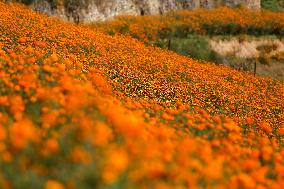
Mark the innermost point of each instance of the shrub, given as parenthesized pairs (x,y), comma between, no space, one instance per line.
(273,5)
(164,33)
(183,30)
(194,46)
(264,59)
(27,2)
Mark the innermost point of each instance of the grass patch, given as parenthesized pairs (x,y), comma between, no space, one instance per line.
(194,46)
(272,5)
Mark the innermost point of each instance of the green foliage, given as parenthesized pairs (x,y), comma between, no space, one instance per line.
(194,46)
(165,33)
(223,29)
(27,2)
(273,5)
(183,30)
(219,28)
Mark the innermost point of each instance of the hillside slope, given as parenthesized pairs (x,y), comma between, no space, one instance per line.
(94,10)
(84,110)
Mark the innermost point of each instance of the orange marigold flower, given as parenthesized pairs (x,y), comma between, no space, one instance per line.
(53,184)
(167,117)
(249,120)
(21,132)
(2,133)
(17,106)
(230,125)
(102,134)
(126,123)
(116,163)
(51,145)
(265,127)
(4,101)
(49,119)
(22,40)
(280,131)
(246,181)
(54,57)
(101,83)
(6,156)
(79,155)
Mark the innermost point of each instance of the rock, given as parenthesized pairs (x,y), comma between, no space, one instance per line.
(43,7)
(94,10)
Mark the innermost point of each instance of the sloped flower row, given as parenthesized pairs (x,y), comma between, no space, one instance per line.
(220,21)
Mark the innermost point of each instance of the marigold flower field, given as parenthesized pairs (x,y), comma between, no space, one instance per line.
(81,110)
(219,21)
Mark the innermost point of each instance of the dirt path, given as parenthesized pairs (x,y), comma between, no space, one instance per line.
(247,49)
(244,49)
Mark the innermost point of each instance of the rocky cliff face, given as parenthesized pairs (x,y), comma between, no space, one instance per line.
(94,10)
